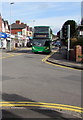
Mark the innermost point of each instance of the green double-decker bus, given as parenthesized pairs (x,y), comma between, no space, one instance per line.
(42,37)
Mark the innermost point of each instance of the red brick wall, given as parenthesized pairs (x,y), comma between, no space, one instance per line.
(78,51)
(15,31)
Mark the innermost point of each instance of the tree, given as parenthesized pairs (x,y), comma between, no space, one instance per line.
(58,34)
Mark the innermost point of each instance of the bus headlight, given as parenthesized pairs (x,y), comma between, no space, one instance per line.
(46,48)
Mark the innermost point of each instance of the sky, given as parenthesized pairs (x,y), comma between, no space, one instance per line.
(53,14)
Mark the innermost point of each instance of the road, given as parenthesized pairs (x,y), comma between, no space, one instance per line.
(28,80)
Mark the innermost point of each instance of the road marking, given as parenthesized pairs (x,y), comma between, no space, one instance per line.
(15,54)
(45,106)
(45,60)
(6,102)
(25,49)
(12,55)
(41,104)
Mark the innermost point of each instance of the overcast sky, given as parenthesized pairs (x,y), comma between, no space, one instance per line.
(33,13)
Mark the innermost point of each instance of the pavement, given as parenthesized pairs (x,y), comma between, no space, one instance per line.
(60,58)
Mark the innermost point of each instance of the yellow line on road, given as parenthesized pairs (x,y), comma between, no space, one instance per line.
(46,106)
(12,55)
(41,104)
(25,49)
(60,66)
(45,60)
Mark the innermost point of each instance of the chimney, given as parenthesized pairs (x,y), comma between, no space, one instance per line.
(17,21)
(22,23)
(27,28)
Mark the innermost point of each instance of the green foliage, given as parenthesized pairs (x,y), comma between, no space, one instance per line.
(58,34)
(80,41)
(73,27)
(73,42)
(76,41)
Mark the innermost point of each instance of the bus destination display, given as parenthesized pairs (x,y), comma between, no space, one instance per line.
(41,36)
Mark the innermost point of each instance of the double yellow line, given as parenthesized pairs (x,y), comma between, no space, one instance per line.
(46,58)
(41,104)
(16,54)
(11,55)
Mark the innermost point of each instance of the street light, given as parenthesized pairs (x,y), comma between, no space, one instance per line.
(10,23)
(33,23)
(68,42)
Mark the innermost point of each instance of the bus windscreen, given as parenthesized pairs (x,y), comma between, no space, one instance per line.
(41,29)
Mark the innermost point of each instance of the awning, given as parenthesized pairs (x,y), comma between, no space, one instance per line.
(3,35)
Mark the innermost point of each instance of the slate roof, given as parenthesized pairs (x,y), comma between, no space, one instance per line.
(18,26)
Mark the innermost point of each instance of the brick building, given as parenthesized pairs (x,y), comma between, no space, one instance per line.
(19,28)
(4,26)
(21,32)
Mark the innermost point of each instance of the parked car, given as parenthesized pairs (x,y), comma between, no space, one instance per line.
(57,43)
(29,43)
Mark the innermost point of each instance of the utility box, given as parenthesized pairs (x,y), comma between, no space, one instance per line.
(78,53)
(72,54)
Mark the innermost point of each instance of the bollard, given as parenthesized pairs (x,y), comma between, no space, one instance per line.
(78,53)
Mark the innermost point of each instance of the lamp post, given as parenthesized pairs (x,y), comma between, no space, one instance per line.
(68,42)
(60,35)
(10,23)
(33,23)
